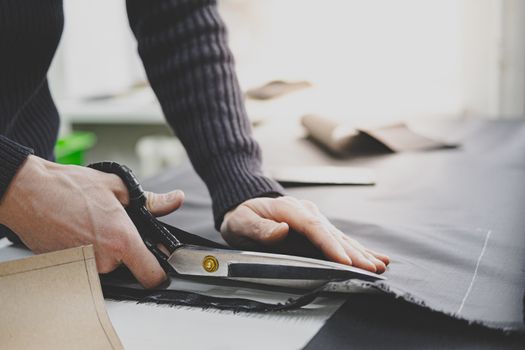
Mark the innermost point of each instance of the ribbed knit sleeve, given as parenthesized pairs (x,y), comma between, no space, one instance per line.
(12,156)
(184,49)
(29,35)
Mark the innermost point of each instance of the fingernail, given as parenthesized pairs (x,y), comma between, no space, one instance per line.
(174,195)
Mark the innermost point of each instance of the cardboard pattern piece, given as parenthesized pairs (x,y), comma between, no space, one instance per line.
(54,301)
(341,139)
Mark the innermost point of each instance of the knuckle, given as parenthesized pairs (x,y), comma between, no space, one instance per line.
(151,200)
(119,188)
(117,246)
(287,200)
(314,221)
(117,181)
(353,242)
(309,204)
(258,228)
(282,200)
(113,178)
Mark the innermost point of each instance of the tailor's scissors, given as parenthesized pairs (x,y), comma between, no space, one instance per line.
(192,255)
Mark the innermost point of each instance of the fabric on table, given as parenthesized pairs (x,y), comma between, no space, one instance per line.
(454,270)
(451,220)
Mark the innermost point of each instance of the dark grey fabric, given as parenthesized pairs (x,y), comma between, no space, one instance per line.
(382,322)
(452,220)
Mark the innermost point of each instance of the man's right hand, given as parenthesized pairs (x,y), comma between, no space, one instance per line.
(51,207)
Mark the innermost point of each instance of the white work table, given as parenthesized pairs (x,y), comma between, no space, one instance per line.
(147,326)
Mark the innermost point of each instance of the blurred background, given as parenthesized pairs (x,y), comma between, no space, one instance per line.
(365,62)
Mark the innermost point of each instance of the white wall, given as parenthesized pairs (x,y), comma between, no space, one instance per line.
(494,58)
(369,59)
(512,91)
(97,54)
(372,59)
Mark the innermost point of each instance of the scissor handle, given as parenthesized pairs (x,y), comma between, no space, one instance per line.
(137,197)
(149,228)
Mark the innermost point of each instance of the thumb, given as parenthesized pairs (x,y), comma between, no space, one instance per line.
(160,204)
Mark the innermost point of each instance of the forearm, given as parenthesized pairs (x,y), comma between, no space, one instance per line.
(184,48)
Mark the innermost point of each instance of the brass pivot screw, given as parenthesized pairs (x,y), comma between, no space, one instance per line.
(210,263)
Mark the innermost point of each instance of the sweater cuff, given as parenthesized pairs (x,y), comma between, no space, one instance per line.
(12,156)
(233,180)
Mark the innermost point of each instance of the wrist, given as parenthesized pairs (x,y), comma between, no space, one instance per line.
(26,178)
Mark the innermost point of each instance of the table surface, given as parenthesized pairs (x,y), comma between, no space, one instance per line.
(141,326)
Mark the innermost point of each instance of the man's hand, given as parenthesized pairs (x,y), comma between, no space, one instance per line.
(267,221)
(52,207)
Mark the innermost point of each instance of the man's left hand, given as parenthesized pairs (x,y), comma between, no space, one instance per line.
(267,221)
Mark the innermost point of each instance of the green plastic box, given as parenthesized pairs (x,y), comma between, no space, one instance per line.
(71,149)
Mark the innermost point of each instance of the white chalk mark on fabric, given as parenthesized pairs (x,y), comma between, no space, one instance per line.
(475,272)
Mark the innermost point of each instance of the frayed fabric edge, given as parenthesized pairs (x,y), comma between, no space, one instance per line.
(176,298)
(191,299)
(505,328)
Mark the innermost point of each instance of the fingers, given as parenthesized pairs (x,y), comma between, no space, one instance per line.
(246,227)
(380,266)
(368,258)
(379,259)
(328,244)
(160,204)
(141,262)
(384,258)
(312,224)
(359,258)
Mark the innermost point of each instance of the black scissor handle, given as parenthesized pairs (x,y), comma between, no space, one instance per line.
(150,229)
(137,197)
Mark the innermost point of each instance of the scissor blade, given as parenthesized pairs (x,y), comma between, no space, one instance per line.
(265,268)
(265,271)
